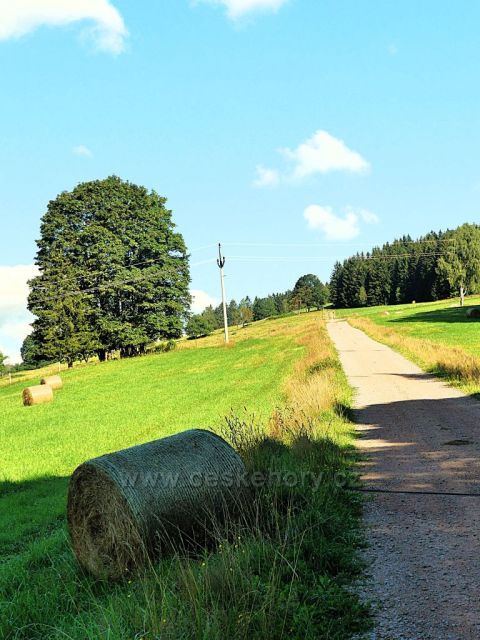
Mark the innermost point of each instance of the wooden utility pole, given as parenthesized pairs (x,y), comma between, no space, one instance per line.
(221,264)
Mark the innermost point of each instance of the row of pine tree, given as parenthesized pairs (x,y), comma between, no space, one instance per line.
(434,267)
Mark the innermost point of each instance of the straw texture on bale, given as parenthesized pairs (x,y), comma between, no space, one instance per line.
(37,395)
(473,312)
(53,381)
(135,504)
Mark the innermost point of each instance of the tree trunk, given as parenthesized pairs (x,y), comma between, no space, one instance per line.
(102,355)
(462,296)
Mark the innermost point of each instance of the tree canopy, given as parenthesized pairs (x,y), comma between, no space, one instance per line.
(114,273)
(310,292)
(460,267)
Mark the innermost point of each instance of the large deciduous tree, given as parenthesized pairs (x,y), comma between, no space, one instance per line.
(114,273)
(310,291)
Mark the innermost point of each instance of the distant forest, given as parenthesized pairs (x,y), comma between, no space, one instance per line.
(308,293)
(436,266)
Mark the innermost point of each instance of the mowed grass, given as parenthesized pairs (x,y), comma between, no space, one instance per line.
(438,336)
(288,579)
(117,404)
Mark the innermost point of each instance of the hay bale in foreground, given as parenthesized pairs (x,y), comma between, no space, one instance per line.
(473,312)
(130,505)
(55,382)
(37,395)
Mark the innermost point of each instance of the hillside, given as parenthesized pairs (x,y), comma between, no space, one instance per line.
(109,406)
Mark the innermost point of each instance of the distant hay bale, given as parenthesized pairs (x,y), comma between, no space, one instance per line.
(55,382)
(473,312)
(37,395)
(152,499)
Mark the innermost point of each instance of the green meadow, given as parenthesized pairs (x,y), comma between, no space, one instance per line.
(444,321)
(117,404)
(113,405)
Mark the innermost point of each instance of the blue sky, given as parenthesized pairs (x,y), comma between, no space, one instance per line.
(294,129)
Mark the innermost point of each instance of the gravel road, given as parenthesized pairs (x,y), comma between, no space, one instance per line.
(417,434)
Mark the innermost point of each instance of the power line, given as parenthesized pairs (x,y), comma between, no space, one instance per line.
(111,285)
(264,259)
(329,258)
(330,244)
(412,492)
(151,261)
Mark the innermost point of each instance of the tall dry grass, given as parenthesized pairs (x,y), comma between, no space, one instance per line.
(311,389)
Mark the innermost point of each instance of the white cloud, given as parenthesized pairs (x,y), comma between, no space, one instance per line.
(14,317)
(320,154)
(108,30)
(14,288)
(201,300)
(83,151)
(337,227)
(239,8)
(266,177)
(323,153)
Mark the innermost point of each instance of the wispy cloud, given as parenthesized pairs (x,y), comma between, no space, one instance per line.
(14,317)
(320,154)
(392,49)
(107,29)
(83,151)
(266,177)
(366,216)
(337,227)
(237,9)
(201,300)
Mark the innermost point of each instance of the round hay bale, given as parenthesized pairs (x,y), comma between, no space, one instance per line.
(473,312)
(37,395)
(55,382)
(135,504)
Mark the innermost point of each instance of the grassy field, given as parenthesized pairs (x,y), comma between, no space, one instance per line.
(438,336)
(289,576)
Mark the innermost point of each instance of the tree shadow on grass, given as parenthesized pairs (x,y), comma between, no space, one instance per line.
(454,315)
(31,510)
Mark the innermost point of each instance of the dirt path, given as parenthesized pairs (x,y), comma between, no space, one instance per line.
(419,435)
